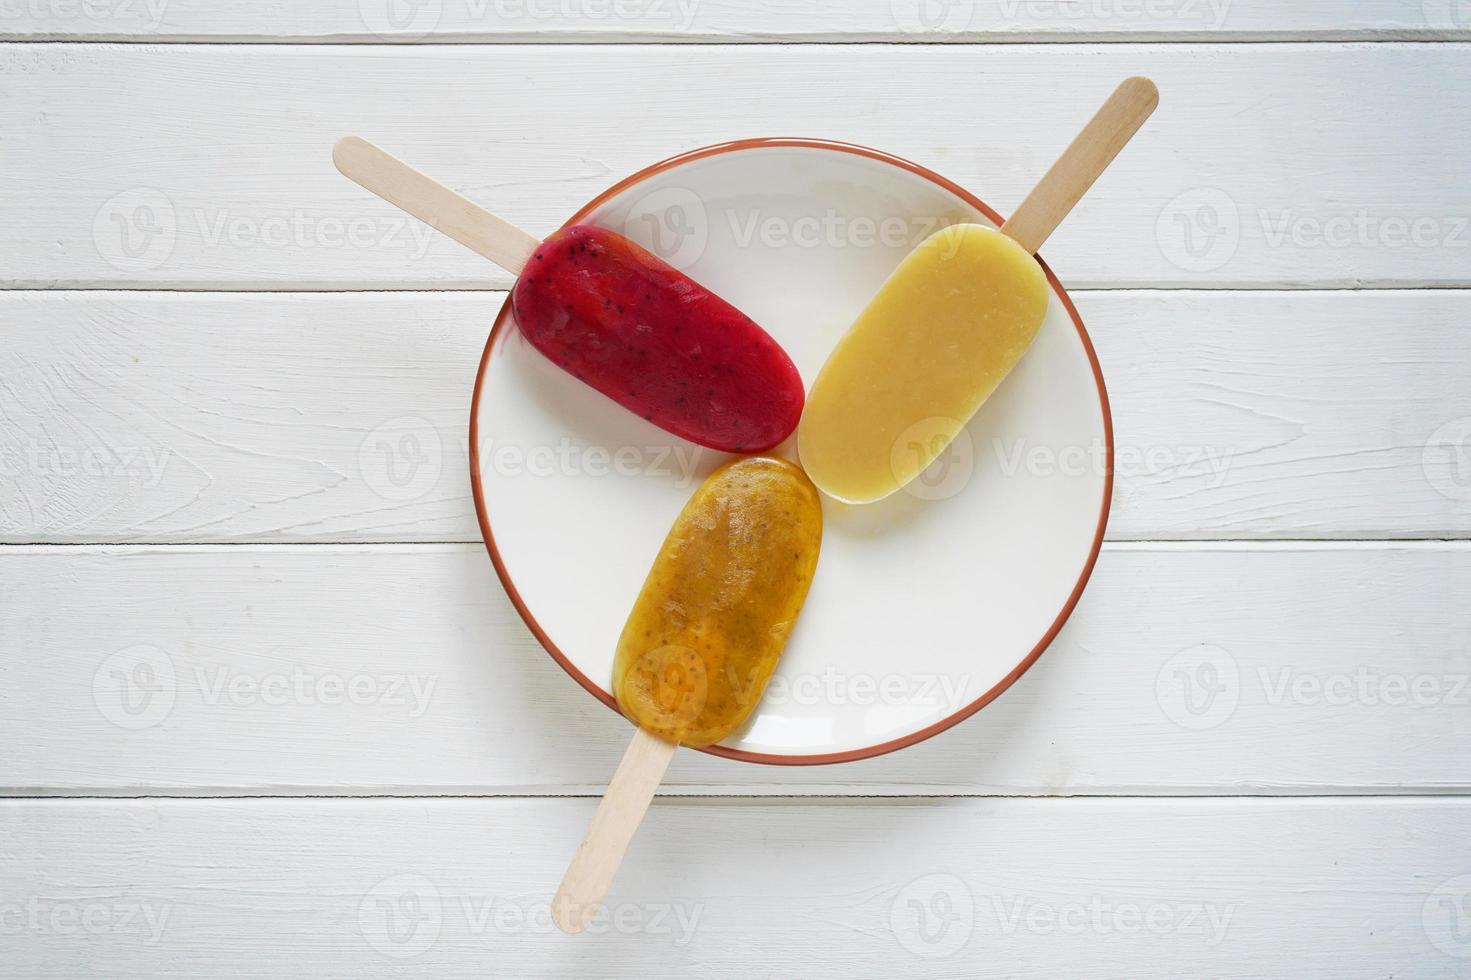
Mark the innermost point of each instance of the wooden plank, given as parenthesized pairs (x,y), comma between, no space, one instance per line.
(160,417)
(388,669)
(733,21)
(937,888)
(1258,170)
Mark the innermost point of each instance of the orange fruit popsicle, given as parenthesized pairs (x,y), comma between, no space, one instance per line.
(716,609)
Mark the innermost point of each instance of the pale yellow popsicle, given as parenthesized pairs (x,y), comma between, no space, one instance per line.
(944,330)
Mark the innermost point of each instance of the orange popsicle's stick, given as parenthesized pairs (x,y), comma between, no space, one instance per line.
(433,203)
(1082,163)
(613,825)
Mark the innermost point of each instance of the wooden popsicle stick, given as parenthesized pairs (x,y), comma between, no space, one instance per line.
(613,825)
(433,203)
(1082,163)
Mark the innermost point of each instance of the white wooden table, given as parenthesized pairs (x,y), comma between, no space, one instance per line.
(266,711)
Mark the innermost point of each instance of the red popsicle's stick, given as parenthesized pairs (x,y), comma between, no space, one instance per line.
(433,203)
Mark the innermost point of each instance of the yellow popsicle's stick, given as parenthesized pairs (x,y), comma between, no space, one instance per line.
(1082,163)
(433,203)
(613,825)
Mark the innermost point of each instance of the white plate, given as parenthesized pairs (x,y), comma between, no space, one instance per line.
(926,605)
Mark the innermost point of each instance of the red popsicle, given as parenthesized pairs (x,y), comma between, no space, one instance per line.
(616,316)
(655,341)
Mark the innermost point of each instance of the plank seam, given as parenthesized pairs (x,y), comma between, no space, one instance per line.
(235,291)
(247,289)
(1419,795)
(1402,36)
(1141,544)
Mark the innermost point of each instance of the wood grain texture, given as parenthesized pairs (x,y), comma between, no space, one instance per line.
(159,417)
(1336,672)
(929,888)
(403,669)
(738,20)
(1255,172)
